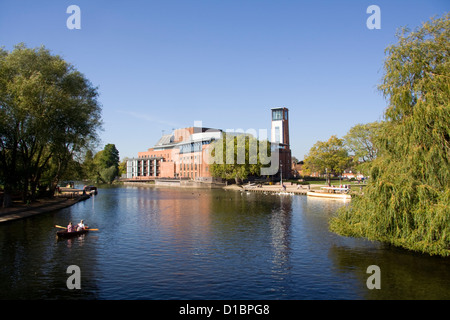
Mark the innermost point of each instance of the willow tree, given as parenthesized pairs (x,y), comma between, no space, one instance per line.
(48,114)
(407,201)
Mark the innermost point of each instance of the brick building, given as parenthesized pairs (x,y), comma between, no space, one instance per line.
(181,154)
(184,154)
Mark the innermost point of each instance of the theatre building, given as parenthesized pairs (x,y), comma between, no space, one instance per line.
(183,154)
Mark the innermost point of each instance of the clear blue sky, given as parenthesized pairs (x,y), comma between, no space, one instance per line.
(164,64)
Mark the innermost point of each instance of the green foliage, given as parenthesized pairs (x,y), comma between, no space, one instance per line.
(362,143)
(360,140)
(327,157)
(123,166)
(237,157)
(108,174)
(49,113)
(407,200)
(109,157)
(104,166)
(90,171)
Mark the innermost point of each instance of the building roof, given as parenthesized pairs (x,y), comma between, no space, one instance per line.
(165,140)
(201,134)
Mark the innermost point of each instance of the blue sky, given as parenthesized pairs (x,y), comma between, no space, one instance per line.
(161,65)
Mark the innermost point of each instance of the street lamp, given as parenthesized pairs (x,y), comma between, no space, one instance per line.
(281,173)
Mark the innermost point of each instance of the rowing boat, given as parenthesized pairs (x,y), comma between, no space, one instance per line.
(66,234)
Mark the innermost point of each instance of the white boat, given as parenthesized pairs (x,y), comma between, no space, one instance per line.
(331,193)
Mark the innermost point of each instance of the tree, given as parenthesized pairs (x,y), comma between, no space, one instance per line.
(108,174)
(327,157)
(407,198)
(48,114)
(238,157)
(123,166)
(361,142)
(110,157)
(90,171)
(104,166)
(109,163)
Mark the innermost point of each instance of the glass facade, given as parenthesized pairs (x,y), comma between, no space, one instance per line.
(193,147)
(277,114)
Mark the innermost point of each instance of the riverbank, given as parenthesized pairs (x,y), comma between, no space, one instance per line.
(289,188)
(22,210)
(176,183)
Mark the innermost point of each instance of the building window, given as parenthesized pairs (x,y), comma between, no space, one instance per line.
(277,135)
(277,114)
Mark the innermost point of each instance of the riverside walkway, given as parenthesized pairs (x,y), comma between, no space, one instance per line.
(22,210)
(289,188)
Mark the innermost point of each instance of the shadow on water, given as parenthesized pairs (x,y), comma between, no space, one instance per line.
(403,274)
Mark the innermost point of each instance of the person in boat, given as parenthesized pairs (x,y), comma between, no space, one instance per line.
(70,227)
(81,226)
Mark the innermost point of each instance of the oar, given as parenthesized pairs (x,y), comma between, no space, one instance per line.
(56,226)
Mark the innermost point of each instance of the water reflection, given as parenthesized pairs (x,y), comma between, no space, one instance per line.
(163,243)
(32,261)
(280,227)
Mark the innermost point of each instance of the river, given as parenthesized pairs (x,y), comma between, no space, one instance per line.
(170,243)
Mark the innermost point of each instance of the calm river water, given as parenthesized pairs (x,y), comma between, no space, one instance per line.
(162,243)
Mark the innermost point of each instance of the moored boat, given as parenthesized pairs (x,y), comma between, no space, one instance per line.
(331,193)
(90,190)
(328,195)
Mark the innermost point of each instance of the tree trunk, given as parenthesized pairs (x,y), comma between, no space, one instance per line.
(6,203)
